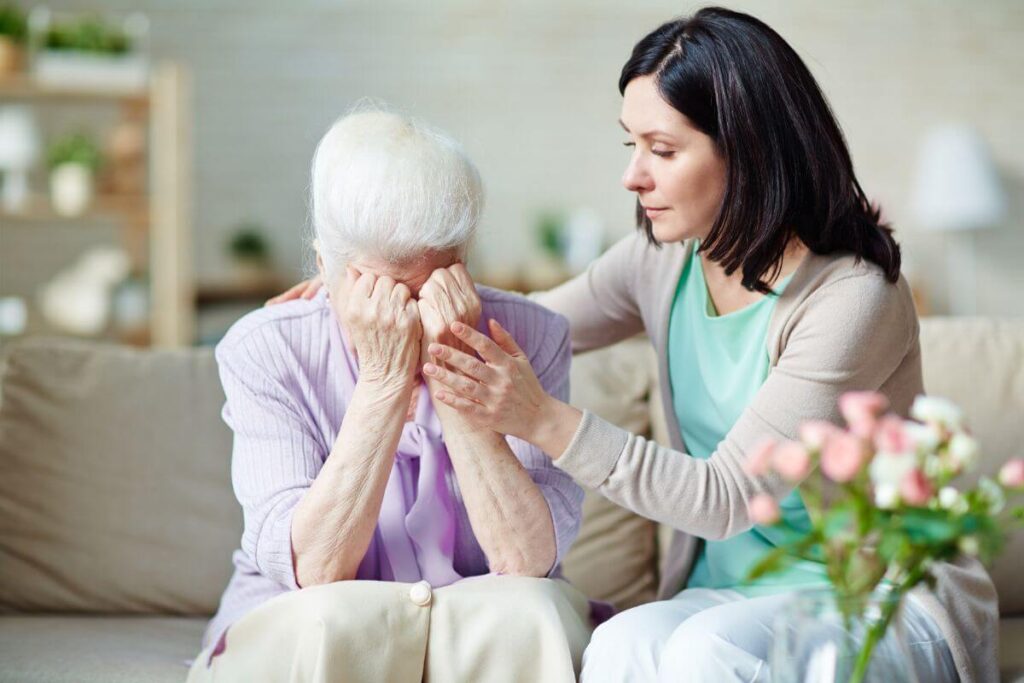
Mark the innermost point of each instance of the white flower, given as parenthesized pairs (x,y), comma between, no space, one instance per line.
(964,450)
(926,437)
(969,545)
(887,496)
(932,466)
(951,499)
(934,409)
(891,468)
(993,493)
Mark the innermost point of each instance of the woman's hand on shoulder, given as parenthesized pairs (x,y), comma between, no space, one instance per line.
(306,289)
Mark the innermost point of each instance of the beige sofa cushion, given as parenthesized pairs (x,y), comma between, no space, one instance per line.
(979,364)
(66,649)
(115,494)
(614,557)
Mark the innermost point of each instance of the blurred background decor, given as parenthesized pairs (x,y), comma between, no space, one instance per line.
(19,152)
(13,29)
(530,91)
(73,161)
(88,49)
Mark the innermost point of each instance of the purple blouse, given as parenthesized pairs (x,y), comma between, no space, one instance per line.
(288,376)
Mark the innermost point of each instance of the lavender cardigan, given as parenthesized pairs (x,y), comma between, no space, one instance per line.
(280,367)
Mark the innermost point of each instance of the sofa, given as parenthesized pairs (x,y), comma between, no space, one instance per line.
(117,519)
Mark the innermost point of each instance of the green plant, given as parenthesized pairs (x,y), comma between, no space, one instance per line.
(76,148)
(13,23)
(88,34)
(550,229)
(248,243)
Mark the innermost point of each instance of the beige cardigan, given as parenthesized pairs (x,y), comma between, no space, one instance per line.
(838,326)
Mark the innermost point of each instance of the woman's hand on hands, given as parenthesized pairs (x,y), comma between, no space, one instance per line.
(306,289)
(382,321)
(448,296)
(498,391)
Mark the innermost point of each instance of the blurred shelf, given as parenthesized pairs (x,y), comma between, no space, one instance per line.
(239,291)
(24,87)
(103,207)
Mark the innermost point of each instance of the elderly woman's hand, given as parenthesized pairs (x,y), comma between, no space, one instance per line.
(501,392)
(382,322)
(448,296)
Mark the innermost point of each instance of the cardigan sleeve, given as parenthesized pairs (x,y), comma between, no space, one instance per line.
(850,334)
(275,456)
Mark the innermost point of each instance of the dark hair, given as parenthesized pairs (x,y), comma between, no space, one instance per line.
(788,169)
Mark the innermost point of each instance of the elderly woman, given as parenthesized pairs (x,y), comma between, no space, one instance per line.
(367,504)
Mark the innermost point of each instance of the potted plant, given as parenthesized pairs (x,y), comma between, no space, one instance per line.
(73,161)
(883,508)
(13,29)
(250,253)
(89,50)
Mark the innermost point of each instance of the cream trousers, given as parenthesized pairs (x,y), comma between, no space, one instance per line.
(487,629)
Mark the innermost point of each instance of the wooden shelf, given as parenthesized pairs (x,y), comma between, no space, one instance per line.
(103,207)
(24,87)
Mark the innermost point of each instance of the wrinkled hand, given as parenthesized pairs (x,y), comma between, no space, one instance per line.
(382,322)
(499,391)
(448,296)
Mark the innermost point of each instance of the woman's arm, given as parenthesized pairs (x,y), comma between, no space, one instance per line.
(517,520)
(335,520)
(849,335)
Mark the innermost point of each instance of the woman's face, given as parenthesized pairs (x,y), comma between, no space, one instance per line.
(413,274)
(675,170)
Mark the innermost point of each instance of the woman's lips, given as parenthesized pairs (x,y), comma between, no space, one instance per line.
(654,212)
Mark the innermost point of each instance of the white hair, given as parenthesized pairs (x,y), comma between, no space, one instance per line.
(393,188)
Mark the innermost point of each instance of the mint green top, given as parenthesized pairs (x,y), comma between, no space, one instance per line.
(716,365)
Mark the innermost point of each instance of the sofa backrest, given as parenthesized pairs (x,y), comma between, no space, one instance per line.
(115,492)
(115,487)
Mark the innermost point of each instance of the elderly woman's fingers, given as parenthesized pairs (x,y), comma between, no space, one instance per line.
(401,293)
(488,350)
(464,363)
(363,285)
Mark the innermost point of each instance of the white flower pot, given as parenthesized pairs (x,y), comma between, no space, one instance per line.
(71,189)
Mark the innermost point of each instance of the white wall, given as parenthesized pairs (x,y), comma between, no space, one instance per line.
(530,88)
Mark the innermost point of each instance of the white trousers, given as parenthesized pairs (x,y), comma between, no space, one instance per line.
(705,634)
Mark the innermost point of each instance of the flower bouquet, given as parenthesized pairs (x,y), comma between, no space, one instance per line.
(883,506)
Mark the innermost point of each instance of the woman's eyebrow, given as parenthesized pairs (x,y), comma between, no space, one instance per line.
(649,133)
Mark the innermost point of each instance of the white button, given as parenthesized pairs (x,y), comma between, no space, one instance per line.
(420,593)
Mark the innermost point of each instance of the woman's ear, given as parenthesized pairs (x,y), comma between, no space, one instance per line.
(319,260)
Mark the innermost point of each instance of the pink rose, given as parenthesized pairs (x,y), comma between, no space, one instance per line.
(892,437)
(861,409)
(1011,475)
(792,461)
(760,459)
(843,457)
(815,433)
(763,510)
(915,489)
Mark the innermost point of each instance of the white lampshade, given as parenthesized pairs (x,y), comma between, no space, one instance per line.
(957,185)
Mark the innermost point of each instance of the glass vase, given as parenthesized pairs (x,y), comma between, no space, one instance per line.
(822,638)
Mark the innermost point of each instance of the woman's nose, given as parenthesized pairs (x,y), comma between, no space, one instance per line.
(636,178)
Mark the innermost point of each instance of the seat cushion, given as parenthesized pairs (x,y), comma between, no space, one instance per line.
(116,489)
(613,558)
(80,649)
